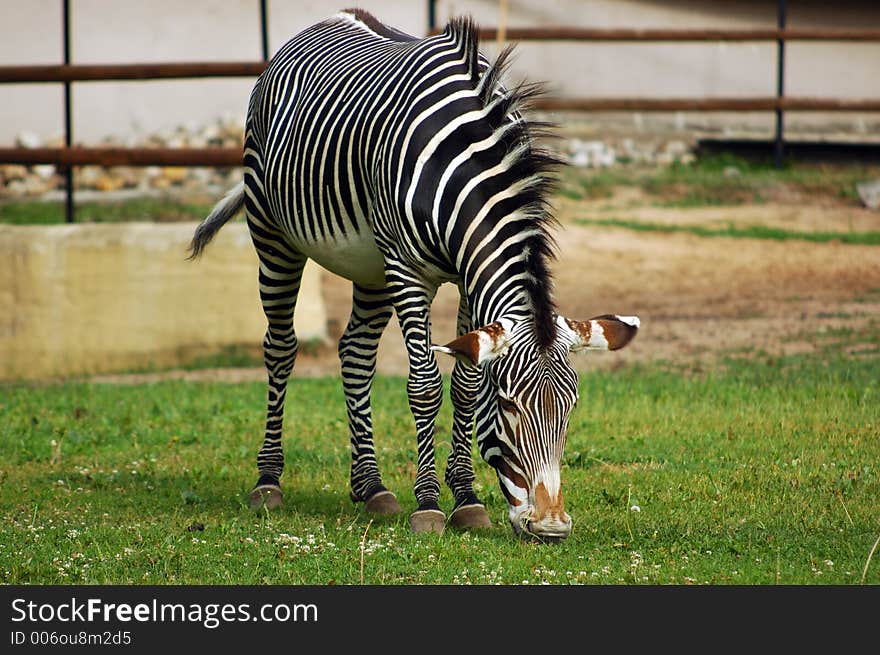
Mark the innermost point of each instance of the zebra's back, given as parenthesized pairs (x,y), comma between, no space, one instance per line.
(329,124)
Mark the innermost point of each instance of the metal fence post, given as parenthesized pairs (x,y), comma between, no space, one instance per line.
(264,29)
(779,145)
(68,122)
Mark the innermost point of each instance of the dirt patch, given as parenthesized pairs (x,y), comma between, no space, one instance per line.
(701,297)
(697,297)
(809,217)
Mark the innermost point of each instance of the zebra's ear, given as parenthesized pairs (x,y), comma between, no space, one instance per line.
(606,332)
(480,346)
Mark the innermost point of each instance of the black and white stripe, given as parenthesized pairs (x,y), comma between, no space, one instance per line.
(400,164)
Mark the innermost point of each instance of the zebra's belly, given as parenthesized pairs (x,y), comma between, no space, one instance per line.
(354,258)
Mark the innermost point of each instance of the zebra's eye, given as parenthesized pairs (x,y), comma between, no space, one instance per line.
(508,405)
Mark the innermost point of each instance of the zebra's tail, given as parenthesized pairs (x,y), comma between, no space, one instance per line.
(228,207)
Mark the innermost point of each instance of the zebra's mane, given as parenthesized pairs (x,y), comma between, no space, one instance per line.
(531,163)
(377,26)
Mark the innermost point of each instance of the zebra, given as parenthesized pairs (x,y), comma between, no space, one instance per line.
(403,163)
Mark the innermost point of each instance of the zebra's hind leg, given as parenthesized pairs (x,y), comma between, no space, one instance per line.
(280,276)
(468,511)
(370,312)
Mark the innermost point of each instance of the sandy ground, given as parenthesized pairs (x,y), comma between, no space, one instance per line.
(697,297)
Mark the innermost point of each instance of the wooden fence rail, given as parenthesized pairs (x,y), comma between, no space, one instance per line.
(619,34)
(68,73)
(110,156)
(111,72)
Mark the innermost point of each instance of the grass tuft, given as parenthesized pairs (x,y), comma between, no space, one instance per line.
(759,471)
(722,179)
(734,232)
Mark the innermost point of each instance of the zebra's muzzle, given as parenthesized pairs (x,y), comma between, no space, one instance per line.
(548,529)
(543,518)
(551,528)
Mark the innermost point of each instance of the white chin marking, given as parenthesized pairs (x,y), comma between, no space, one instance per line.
(630,320)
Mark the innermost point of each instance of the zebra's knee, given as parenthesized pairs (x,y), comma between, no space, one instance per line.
(464,385)
(360,342)
(349,352)
(425,390)
(464,400)
(279,354)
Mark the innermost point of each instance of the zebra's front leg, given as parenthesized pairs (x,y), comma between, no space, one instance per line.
(412,302)
(468,511)
(370,313)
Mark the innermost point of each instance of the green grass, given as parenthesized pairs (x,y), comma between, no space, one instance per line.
(30,212)
(764,470)
(709,182)
(732,231)
(233,356)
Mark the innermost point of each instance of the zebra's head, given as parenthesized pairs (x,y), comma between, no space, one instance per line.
(523,417)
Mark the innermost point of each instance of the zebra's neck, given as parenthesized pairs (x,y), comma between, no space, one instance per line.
(492,219)
(504,296)
(511,282)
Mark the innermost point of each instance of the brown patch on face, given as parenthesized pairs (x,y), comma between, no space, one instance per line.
(544,505)
(581,328)
(493,330)
(617,333)
(466,346)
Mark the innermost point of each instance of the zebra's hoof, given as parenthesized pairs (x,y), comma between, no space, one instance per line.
(382,502)
(266,495)
(470,516)
(427,520)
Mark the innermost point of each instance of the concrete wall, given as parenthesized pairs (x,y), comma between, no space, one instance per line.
(109,31)
(83,299)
